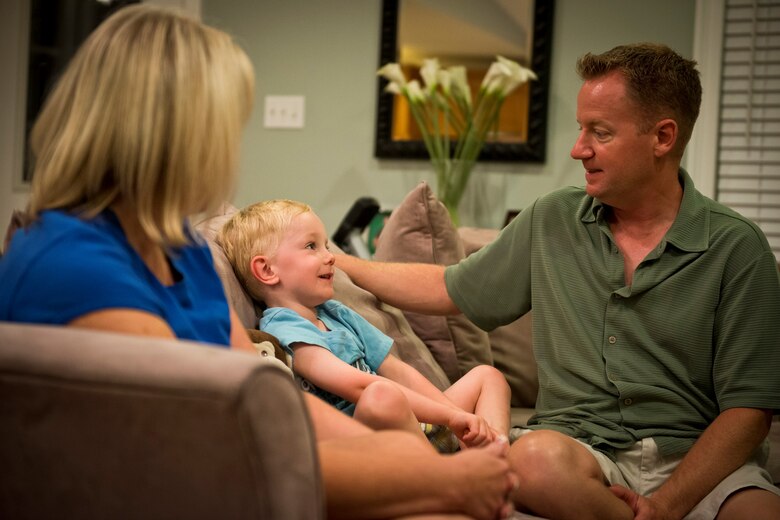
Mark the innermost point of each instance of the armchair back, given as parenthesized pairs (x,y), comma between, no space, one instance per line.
(103,425)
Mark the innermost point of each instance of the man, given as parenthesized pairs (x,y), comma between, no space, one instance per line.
(655,314)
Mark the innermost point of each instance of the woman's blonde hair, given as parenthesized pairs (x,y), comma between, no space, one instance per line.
(256,230)
(149,111)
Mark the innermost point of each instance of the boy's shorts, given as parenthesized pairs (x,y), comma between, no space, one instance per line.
(643,469)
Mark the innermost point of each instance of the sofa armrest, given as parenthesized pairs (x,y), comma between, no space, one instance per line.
(102,425)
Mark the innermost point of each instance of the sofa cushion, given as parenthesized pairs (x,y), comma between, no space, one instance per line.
(420,230)
(511,345)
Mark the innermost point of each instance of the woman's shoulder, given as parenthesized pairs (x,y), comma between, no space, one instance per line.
(58,259)
(52,228)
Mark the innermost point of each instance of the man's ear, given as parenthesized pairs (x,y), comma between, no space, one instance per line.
(263,270)
(666,134)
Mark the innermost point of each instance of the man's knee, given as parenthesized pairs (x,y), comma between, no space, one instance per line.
(544,454)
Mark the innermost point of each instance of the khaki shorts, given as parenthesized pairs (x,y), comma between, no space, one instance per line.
(643,469)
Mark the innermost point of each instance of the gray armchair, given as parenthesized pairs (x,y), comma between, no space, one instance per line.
(102,425)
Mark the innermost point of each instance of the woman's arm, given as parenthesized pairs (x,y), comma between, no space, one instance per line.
(129,321)
(239,339)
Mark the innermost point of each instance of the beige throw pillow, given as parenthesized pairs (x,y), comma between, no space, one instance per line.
(420,230)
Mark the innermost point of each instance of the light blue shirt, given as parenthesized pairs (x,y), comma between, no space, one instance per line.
(349,337)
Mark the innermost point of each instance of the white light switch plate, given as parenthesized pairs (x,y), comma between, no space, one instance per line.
(284,112)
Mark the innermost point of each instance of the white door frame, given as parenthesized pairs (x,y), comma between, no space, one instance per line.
(701,158)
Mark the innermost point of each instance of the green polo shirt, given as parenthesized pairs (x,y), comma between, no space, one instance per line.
(697,332)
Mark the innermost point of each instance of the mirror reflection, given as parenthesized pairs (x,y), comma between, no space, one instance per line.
(469,33)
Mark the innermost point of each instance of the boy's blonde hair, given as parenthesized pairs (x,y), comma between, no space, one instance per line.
(150,111)
(257,230)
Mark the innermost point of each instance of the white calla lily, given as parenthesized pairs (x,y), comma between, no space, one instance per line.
(393,73)
(505,75)
(429,73)
(444,78)
(415,92)
(460,83)
(445,107)
(393,88)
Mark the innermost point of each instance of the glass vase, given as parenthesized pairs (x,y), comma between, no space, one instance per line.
(452,176)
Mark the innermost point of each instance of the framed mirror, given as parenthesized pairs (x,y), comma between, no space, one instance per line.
(469,33)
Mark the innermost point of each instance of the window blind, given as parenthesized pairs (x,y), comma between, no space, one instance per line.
(748,176)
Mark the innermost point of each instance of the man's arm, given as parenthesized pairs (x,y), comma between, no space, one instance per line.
(734,435)
(409,286)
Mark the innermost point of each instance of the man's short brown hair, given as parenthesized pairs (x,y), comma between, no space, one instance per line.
(659,81)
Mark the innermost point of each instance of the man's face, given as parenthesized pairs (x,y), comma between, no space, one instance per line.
(618,159)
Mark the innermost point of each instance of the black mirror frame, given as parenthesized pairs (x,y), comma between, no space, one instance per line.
(533,150)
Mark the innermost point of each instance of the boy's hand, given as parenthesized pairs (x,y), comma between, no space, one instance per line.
(471,429)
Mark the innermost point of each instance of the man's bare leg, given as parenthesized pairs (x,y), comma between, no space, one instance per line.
(753,503)
(559,478)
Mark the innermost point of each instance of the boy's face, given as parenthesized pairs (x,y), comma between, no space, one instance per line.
(303,262)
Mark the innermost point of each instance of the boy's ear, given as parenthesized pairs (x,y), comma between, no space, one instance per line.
(263,271)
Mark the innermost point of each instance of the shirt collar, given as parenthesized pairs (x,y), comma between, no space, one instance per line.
(691,228)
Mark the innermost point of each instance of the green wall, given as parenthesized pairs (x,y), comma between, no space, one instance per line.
(327,51)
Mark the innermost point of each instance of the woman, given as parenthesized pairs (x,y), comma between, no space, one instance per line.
(141,133)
